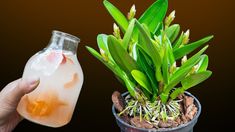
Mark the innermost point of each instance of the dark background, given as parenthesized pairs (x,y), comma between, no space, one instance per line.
(26,25)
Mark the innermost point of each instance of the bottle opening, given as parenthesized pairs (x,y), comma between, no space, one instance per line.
(63,41)
(66,35)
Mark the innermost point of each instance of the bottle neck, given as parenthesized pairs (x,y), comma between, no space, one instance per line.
(63,41)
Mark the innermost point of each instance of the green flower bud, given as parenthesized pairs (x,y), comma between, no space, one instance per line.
(183,60)
(186,37)
(169,19)
(116,31)
(194,69)
(132,13)
(173,68)
(104,55)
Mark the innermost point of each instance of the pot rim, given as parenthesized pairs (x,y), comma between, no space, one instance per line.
(161,129)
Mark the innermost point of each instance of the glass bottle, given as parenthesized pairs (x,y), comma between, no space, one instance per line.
(52,103)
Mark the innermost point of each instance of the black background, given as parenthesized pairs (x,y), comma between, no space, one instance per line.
(26,25)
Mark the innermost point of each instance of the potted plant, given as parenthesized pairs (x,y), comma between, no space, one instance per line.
(149,57)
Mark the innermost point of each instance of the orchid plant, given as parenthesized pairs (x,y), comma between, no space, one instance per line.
(149,56)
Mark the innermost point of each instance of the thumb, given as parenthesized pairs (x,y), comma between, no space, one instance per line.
(23,87)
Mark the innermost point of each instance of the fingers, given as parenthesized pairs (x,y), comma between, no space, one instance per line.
(19,88)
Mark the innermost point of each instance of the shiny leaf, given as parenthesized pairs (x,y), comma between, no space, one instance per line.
(128,35)
(120,55)
(203,63)
(117,15)
(179,53)
(172,32)
(142,79)
(195,79)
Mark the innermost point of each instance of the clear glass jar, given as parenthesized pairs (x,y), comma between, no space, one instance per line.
(61,78)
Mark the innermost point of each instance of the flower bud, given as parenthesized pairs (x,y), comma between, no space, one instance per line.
(116,31)
(184,59)
(173,68)
(169,19)
(132,13)
(186,37)
(194,69)
(104,55)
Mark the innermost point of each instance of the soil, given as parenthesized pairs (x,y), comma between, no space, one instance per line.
(187,108)
(118,101)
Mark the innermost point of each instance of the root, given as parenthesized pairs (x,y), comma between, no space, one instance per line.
(152,112)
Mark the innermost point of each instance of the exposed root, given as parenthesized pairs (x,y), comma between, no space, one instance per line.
(152,111)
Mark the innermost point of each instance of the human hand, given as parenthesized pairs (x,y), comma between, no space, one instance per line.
(9,98)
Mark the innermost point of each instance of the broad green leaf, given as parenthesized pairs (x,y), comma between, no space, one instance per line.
(176,93)
(133,51)
(203,63)
(171,58)
(178,42)
(195,57)
(146,43)
(183,70)
(191,81)
(194,79)
(142,79)
(158,29)
(128,35)
(116,70)
(165,66)
(172,32)
(117,15)
(178,53)
(176,78)
(145,27)
(102,44)
(154,14)
(142,58)
(130,86)
(120,55)
(146,56)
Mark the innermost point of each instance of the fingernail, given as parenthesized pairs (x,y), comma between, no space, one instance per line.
(32,81)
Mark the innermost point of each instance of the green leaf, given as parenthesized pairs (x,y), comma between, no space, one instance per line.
(176,93)
(178,53)
(142,58)
(128,35)
(203,63)
(147,45)
(116,70)
(117,15)
(170,54)
(172,32)
(165,67)
(154,14)
(142,79)
(120,55)
(195,57)
(180,74)
(158,29)
(130,86)
(102,44)
(191,81)
(178,42)
(194,79)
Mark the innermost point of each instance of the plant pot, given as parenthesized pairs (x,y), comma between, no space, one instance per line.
(187,127)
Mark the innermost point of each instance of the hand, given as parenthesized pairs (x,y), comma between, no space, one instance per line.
(9,98)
